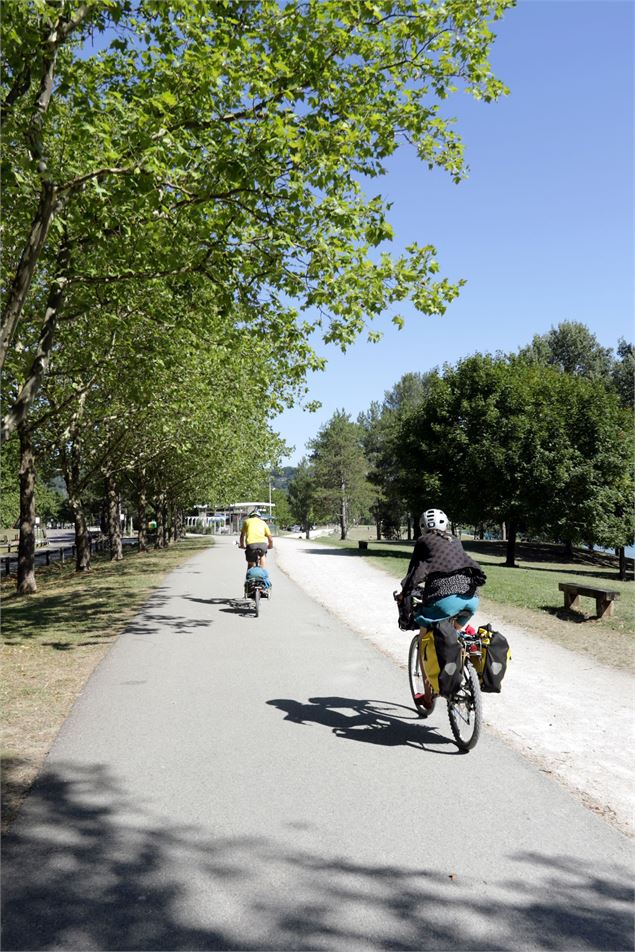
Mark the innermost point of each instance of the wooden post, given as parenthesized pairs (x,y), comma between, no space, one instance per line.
(603,607)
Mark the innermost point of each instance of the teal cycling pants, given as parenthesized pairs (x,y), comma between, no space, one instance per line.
(447,607)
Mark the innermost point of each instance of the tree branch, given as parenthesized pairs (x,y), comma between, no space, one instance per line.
(76,183)
(50,204)
(31,386)
(21,86)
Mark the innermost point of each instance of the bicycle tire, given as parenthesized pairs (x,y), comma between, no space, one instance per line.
(416,679)
(257,601)
(465,710)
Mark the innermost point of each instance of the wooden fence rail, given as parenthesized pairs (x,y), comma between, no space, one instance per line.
(59,553)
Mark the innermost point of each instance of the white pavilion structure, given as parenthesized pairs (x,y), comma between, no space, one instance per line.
(230,518)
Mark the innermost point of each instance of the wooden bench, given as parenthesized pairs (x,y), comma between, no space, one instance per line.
(604,597)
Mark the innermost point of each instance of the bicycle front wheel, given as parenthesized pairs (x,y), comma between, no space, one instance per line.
(417,679)
(465,710)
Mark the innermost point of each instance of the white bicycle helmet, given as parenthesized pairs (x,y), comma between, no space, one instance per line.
(254,512)
(434,519)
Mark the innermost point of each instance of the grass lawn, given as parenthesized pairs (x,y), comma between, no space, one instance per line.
(528,596)
(52,641)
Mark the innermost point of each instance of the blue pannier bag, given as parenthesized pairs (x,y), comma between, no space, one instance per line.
(258,576)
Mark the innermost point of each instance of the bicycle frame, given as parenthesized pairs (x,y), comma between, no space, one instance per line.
(464,704)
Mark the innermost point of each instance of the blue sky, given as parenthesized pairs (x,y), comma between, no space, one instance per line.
(542,230)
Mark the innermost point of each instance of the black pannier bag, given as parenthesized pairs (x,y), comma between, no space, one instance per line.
(497,656)
(407,608)
(442,658)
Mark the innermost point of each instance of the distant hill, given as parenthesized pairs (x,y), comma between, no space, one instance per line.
(282,477)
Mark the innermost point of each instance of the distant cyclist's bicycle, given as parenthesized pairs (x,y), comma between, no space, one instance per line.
(465,709)
(256,588)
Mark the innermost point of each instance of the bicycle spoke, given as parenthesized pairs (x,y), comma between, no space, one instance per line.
(464,710)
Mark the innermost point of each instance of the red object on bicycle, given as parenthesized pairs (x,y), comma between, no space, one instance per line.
(469,630)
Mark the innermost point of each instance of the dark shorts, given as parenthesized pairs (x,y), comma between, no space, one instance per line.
(253,548)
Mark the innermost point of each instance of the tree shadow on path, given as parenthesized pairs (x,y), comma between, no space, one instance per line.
(89,867)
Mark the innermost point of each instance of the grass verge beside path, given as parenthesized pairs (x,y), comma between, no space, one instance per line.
(53,640)
(529,597)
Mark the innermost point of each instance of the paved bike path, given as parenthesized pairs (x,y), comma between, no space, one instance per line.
(226,782)
(563,711)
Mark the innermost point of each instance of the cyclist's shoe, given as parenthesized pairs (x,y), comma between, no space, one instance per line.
(424,701)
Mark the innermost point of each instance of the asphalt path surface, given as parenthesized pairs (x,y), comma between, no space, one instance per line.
(232,782)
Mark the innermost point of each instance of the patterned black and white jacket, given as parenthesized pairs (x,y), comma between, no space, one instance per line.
(440,566)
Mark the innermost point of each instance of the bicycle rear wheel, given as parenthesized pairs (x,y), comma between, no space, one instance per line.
(257,601)
(465,710)
(416,678)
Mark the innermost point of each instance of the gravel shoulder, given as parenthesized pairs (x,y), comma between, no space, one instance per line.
(570,716)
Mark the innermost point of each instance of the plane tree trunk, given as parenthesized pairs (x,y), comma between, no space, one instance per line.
(114,522)
(512,530)
(160,539)
(343,513)
(26,584)
(142,502)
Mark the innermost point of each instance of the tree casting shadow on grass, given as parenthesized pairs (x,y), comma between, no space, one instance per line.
(85,610)
(523,562)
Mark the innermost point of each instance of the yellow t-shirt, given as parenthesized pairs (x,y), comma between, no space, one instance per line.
(255,530)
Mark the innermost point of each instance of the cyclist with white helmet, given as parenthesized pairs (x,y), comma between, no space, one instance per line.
(442,571)
(255,535)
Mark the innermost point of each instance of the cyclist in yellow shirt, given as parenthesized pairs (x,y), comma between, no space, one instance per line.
(255,536)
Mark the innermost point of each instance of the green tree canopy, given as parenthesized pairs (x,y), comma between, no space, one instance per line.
(381,425)
(228,141)
(340,470)
(303,496)
(573,349)
(499,439)
(198,167)
(624,373)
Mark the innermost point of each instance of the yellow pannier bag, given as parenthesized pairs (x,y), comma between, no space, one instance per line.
(429,660)
(478,660)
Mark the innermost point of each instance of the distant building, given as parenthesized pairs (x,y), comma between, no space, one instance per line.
(239,511)
(230,518)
